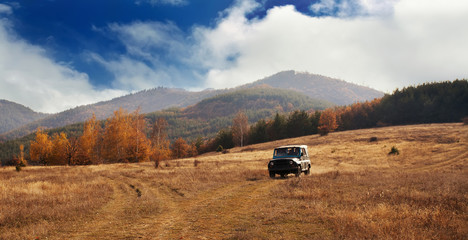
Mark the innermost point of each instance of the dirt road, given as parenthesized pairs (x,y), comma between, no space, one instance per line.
(150,210)
(229,196)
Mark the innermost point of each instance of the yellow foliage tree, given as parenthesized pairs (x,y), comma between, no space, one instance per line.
(41,148)
(21,161)
(115,139)
(124,138)
(87,144)
(180,148)
(60,147)
(327,122)
(139,146)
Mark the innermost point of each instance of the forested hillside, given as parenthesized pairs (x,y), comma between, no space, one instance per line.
(204,119)
(315,86)
(251,100)
(13,115)
(427,103)
(442,102)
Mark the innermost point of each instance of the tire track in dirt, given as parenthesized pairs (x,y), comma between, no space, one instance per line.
(213,212)
(118,218)
(107,222)
(210,214)
(463,157)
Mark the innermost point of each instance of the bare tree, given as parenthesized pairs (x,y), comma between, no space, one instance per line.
(240,128)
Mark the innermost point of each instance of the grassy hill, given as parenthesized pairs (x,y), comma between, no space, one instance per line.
(356,191)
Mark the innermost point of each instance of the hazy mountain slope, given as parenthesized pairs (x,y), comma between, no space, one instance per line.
(148,101)
(319,87)
(14,115)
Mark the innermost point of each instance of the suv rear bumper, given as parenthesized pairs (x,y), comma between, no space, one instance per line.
(283,167)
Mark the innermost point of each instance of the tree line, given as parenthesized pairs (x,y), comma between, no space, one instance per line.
(427,103)
(124,137)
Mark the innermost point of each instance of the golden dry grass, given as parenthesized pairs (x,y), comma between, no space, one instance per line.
(356,191)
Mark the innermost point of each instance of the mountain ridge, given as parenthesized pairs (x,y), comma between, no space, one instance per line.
(14,115)
(312,85)
(338,91)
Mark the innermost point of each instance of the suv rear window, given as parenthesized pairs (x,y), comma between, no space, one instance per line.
(283,152)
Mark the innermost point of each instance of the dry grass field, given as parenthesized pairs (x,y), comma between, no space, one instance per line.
(356,191)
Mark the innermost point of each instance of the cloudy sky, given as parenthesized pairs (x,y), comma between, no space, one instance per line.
(58,54)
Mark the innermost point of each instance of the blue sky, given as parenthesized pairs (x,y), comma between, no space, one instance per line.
(58,54)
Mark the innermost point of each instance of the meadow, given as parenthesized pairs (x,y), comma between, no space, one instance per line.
(356,190)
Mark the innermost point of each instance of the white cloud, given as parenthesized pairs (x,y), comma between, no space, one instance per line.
(219,47)
(352,8)
(420,41)
(144,39)
(157,54)
(132,74)
(28,76)
(163,2)
(5,9)
(381,44)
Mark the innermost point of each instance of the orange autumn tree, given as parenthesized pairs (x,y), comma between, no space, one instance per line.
(124,138)
(180,148)
(139,146)
(327,122)
(21,160)
(115,138)
(41,148)
(358,115)
(87,151)
(60,147)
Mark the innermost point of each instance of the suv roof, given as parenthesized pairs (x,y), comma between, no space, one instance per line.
(288,146)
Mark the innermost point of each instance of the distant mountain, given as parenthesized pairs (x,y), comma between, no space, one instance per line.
(14,115)
(315,86)
(147,100)
(319,87)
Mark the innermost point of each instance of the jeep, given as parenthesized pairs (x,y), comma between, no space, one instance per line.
(289,159)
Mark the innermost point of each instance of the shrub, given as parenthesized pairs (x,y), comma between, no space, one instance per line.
(196,162)
(327,122)
(156,163)
(373,139)
(394,151)
(465,120)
